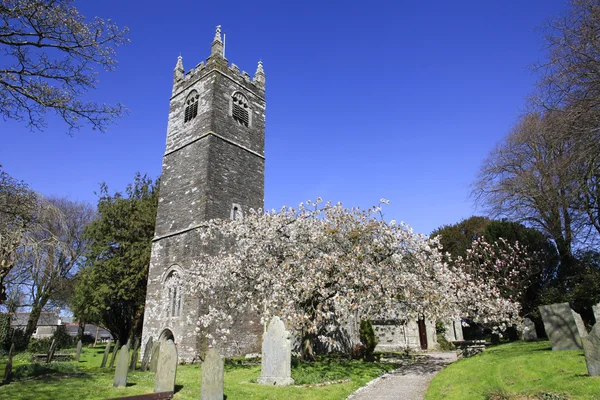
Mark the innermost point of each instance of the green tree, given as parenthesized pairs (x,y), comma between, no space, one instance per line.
(457,238)
(50,53)
(111,289)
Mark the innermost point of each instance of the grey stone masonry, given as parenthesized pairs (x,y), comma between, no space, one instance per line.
(122,367)
(213,167)
(529,332)
(276,363)
(563,326)
(213,375)
(591,350)
(166,370)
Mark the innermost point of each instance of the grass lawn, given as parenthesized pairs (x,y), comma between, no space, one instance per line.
(517,370)
(85,380)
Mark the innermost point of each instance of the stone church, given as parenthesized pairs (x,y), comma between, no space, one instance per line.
(213,167)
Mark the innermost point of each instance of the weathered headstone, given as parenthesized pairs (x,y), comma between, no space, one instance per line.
(147,352)
(562,326)
(596,310)
(276,364)
(458,331)
(114,354)
(529,333)
(106,353)
(134,359)
(51,351)
(8,368)
(129,343)
(166,369)
(213,374)
(154,355)
(122,367)
(591,350)
(78,353)
(136,343)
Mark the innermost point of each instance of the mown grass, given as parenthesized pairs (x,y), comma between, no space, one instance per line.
(517,371)
(86,380)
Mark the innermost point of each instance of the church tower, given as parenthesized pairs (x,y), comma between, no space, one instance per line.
(213,167)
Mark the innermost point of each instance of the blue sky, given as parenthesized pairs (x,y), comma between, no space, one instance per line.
(394,99)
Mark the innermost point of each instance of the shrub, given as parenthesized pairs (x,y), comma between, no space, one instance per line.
(38,346)
(5,332)
(62,338)
(444,344)
(367,339)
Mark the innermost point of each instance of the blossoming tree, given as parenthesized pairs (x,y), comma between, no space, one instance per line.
(321,264)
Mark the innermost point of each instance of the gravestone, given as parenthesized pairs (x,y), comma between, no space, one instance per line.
(122,367)
(596,310)
(8,368)
(276,363)
(106,353)
(147,352)
(458,332)
(51,352)
(563,326)
(529,333)
(114,354)
(213,374)
(154,356)
(129,343)
(134,359)
(591,350)
(78,354)
(166,369)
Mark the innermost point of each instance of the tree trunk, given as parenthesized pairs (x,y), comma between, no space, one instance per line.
(81,330)
(34,316)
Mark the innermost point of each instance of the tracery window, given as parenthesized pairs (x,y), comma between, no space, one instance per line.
(191,106)
(240,111)
(173,294)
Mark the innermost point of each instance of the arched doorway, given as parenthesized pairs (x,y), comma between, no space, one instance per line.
(165,335)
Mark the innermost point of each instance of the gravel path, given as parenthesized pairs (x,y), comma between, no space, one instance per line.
(409,382)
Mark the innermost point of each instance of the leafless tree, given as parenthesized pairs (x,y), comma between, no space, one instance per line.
(50,253)
(49,55)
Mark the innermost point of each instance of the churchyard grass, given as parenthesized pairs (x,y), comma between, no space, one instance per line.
(514,371)
(86,380)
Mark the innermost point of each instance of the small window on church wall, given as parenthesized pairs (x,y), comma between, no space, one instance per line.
(240,111)
(236,212)
(173,295)
(191,106)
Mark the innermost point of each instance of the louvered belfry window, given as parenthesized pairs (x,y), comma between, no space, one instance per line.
(191,106)
(240,110)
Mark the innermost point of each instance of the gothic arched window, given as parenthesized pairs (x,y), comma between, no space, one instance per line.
(191,106)
(173,294)
(240,111)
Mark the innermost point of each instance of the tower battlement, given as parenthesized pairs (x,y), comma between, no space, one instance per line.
(217,62)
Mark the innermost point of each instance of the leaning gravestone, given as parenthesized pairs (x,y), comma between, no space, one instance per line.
(114,354)
(166,368)
(78,354)
(276,364)
(122,368)
(134,359)
(154,356)
(591,350)
(529,333)
(106,353)
(8,368)
(563,326)
(147,352)
(51,352)
(596,310)
(213,374)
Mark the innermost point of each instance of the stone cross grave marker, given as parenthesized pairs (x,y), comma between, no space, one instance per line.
(106,353)
(154,354)
(114,354)
(78,353)
(147,352)
(122,368)
(563,326)
(591,350)
(276,364)
(529,333)
(213,374)
(166,369)
(8,368)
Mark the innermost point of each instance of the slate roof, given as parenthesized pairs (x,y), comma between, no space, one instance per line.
(46,319)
